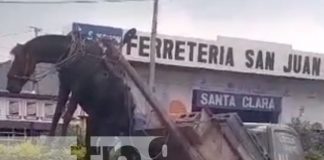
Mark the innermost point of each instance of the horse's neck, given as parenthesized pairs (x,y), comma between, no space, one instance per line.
(56,53)
(48,49)
(49,58)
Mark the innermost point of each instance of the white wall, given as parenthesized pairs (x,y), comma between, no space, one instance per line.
(4,108)
(177,83)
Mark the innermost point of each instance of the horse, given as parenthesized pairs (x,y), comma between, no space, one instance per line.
(88,79)
(41,49)
(45,49)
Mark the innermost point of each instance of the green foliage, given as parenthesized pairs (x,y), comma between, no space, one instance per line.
(312,138)
(79,151)
(29,151)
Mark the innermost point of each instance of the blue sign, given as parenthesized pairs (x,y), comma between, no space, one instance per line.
(221,100)
(91,32)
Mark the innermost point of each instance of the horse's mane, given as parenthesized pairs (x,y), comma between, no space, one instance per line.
(19,48)
(49,37)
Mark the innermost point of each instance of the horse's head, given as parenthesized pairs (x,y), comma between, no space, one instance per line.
(21,69)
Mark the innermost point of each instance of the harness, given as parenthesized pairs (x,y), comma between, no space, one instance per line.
(78,49)
(111,58)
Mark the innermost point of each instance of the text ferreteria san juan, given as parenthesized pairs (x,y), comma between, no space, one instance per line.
(231,55)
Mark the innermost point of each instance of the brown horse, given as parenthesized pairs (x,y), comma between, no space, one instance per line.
(44,49)
(49,49)
(26,58)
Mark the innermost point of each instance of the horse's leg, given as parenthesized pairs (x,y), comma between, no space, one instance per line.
(91,131)
(72,106)
(62,99)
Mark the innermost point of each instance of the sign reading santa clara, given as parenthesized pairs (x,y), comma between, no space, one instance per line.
(235,101)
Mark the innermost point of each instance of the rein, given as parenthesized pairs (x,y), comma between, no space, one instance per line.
(26,67)
(23,78)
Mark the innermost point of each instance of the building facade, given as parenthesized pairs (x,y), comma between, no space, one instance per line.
(267,98)
(26,114)
(261,81)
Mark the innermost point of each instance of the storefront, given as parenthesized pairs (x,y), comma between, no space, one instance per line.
(261,81)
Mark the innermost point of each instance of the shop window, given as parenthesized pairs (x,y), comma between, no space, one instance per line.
(14,110)
(49,109)
(31,110)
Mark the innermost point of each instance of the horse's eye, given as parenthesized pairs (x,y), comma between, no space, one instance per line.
(106,74)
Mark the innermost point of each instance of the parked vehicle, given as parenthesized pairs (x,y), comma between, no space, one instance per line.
(225,136)
(280,141)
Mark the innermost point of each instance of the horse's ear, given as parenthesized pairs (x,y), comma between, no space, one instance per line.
(17,49)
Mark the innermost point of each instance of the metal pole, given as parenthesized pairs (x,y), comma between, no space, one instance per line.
(153,45)
(36,30)
(35,86)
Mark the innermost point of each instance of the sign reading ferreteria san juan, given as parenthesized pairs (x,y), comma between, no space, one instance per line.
(221,100)
(225,54)
(228,54)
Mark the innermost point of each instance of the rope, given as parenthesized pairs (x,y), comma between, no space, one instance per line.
(67,2)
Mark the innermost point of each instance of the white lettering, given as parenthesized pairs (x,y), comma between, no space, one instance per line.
(258,103)
(265,103)
(271,104)
(218,99)
(204,99)
(225,99)
(211,100)
(246,102)
(232,101)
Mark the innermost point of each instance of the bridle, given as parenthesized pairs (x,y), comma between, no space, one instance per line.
(24,77)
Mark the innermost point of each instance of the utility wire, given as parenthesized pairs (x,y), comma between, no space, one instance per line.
(124,0)
(4,56)
(13,34)
(65,2)
(4,47)
(46,2)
